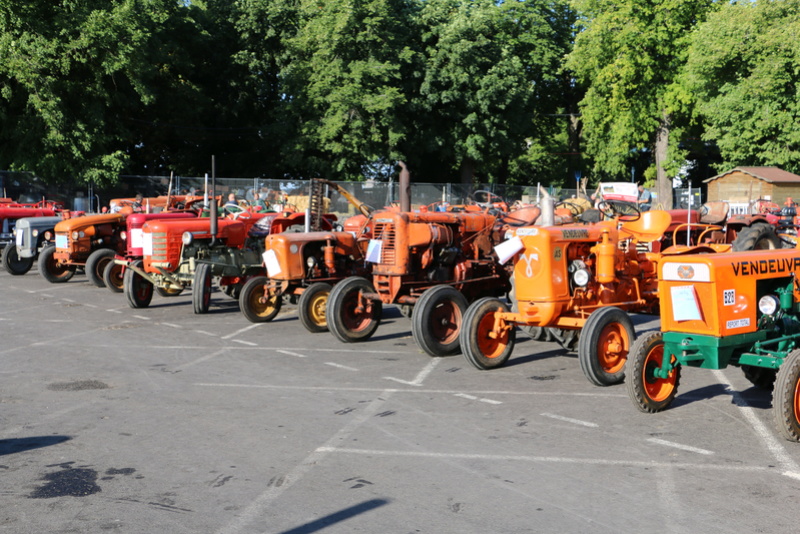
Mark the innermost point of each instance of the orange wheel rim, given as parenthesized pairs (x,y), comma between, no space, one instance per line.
(657,389)
(490,347)
(612,348)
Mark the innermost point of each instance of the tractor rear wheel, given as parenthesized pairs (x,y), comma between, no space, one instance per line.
(479,348)
(13,263)
(649,393)
(311,307)
(113,277)
(786,399)
(138,290)
(603,346)
(96,264)
(51,270)
(760,377)
(349,319)
(255,305)
(536,333)
(760,236)
(201,288)
(437,320)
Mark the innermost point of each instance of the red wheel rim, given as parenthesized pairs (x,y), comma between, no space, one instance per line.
(446,321)
(353,321)
(657,389)
(490,347)
(612,348)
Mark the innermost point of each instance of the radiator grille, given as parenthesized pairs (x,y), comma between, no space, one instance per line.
(386,233)
(160,247)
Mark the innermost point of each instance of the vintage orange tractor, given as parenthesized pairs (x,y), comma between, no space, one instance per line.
(578,278)
(738,309)
(435,262)
(305,265)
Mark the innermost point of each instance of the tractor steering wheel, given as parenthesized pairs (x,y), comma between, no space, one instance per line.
(614,209)
(489,197)
(573,208)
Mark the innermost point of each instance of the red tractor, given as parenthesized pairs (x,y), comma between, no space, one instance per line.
(188,253)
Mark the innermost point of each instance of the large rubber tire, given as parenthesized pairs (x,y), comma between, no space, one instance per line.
(760,236)
(481,350)
(201,288)
(96,264)
(344,322)
(437,320)
(254,306)
(114,277)
(13,263)
(760,377)
(312,305)
(51,270)
(169,292)
(786,398)
(138,290)
(648,393)
(603,347)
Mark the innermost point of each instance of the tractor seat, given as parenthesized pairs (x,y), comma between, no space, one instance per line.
(522,217)
(647,228)
(714,212)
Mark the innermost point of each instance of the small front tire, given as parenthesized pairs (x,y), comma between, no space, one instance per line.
(138,290)
(255,304)
(201,289)
(311,307)
(479,347)
(437,320)
(350,317)
(51,269)
(114,277)
(603,346)
(649,393)
(13,263)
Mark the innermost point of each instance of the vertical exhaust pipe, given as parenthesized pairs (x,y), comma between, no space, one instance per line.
(548,216)
(213,204)
(405,187)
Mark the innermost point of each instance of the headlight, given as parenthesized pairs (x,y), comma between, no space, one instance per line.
(581,277)
(35,233)
(768,304)
(123,235)
(311,262)
(48,235)
(187,238)
(75,235)
(14,231)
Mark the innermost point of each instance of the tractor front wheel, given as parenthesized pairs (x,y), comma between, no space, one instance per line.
(649,393)
(481,346)
(437,320)
(50,268)
(13,263)
(113,277)
(96,264)
(603,346)
(311,307)
(138,290)
(352,318)
(786,398)
(255,304)
(201,288)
